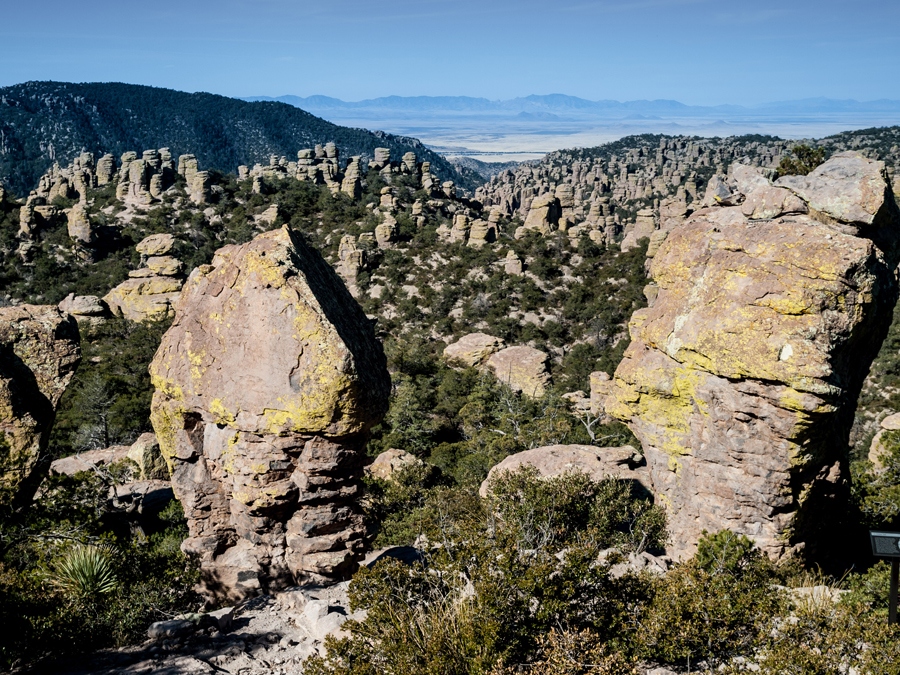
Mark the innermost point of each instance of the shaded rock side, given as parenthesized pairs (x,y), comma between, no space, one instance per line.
(266,386)
(39,351)
(741,380)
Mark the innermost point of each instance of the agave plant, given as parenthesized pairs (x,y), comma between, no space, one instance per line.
(86,571)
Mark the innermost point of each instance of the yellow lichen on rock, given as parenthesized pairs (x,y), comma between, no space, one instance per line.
(740,376)
(267,383)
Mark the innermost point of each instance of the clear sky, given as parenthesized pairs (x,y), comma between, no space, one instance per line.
(700,52)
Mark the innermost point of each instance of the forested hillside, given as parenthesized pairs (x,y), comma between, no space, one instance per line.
(46,122)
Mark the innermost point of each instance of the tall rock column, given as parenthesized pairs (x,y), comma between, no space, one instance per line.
(267,384)
(39,351)
(741,380)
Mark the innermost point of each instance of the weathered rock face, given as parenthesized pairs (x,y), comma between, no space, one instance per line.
(151,292)
(544,214)
(741,379)
(474,349)
(39,351)
(555,460)
(524,369)
(392,461)
(79,225)
(267,384)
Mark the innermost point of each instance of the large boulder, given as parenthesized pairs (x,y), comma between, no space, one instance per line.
(147,298)
(741,380)
(524,369)
(145,453)
(266,386)
(156,245)
(877,448)
(390,462)
(473,349)
(85,308)
(89,460)
(39,351)
(555,460)
(544,214)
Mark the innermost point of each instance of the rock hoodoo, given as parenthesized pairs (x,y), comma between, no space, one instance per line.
(39,351)
(266,386)
(151,291)
(741,378)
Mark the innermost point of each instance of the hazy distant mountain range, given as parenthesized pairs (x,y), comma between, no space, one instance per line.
(560,105)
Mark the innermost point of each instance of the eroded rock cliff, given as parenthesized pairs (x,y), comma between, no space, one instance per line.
(742,376)
(267,384)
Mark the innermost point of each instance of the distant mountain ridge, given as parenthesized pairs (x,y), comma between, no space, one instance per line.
(43,122)
(562,103)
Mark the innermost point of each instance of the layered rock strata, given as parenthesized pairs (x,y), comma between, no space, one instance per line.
(741,379)
(266,386)
(39,351)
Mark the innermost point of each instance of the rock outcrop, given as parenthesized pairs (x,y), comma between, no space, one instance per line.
(524,369)
(392,461)
(555,460)
(266,386)
(152,291)
(474,349)
(741,379)
(876,448)
(543,217)
(39,351)
(87,309)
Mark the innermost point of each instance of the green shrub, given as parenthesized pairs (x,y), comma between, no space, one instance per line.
(490,587)
(825,640)
(712,616)
(723,551)
(804,160)
(547,512)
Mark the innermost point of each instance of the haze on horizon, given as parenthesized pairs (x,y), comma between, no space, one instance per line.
(699,52)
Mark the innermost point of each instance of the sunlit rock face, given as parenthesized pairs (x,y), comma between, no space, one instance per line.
(741,379)
(266,386)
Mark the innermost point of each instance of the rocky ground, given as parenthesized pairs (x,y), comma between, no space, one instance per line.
(268,634)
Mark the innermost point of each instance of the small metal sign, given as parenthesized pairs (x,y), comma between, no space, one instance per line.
(887,545)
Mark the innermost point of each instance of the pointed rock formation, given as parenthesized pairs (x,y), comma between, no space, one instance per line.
(267,384)
(741,380)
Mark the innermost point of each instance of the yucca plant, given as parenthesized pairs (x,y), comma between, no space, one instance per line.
(86,572)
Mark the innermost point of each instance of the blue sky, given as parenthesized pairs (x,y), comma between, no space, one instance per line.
(696,51)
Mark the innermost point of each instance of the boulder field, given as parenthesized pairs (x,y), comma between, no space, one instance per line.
(266,386)
(742,377)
